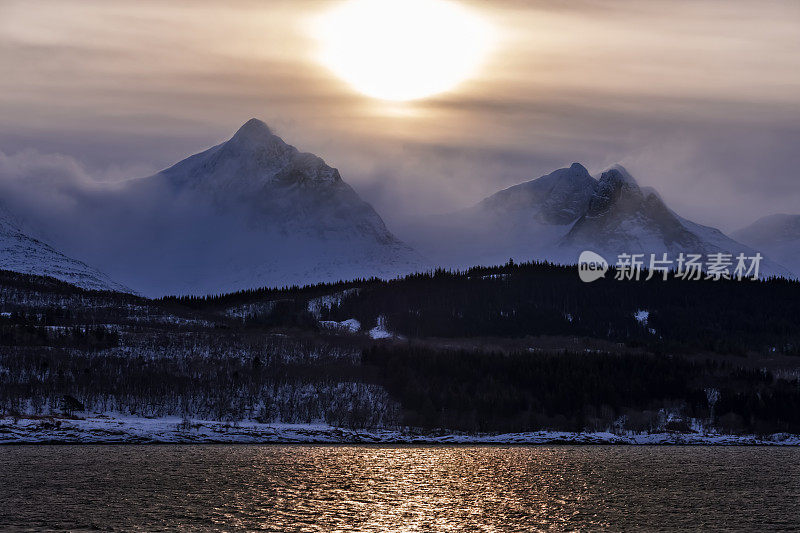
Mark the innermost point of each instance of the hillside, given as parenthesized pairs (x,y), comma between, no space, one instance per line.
(20,252)
(501,349)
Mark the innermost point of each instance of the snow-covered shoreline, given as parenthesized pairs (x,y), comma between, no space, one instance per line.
(133,430)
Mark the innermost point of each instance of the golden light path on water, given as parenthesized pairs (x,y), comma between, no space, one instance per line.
(400,488)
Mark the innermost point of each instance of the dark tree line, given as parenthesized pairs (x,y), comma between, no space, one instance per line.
(542,299)
(517,300)
(82,338)
(479,391)
(191,357)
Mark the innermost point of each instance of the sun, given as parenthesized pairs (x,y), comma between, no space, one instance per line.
(402,49)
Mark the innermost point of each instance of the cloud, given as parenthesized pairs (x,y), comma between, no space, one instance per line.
(141,231)
(38,186)
(697,98)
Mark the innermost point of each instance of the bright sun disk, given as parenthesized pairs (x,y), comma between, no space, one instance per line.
(402,49)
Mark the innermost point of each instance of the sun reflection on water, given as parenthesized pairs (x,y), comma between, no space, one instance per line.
(402,488)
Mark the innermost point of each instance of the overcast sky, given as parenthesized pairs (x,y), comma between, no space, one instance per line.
(698,99)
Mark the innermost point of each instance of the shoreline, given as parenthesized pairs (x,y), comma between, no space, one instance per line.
(103,429)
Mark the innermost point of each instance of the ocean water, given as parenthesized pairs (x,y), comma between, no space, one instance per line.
(398,488)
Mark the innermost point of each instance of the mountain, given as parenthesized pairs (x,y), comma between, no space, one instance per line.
(522,222)
(557,216)
(20,252)
(280,188)
(556,199)
(625,218)
(250,212)
(777,236)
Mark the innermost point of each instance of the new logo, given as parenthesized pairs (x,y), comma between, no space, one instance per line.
(591,266)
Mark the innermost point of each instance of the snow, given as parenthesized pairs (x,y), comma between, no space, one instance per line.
(251,212)
(19,252)
(249,310)
(523,222)
(380,331)
(350,325)
(776,236)
(316,305)
(261,213)
(559,215)
(617,172)
(624,218)
(102,429)
(270,216)
(642,316)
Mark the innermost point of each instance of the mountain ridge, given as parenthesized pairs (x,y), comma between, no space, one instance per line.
(611,215)
(252,211)
(20,252)
(255,211)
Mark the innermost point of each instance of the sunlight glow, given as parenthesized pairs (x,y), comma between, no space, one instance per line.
(403,49)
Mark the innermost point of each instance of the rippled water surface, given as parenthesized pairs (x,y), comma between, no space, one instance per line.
(366,488)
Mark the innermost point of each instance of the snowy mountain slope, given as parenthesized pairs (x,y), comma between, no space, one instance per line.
(557,198)
(247,213)
(559,215)
(279,187)
(625,218)
(777,236)
(521,222)
(622,216)
(20,252)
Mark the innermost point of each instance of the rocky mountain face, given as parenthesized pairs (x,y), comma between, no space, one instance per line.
(19,252)
(277,187)
(254,211)
(559,215)
(250,212)
(777,236)
(556,199)
(624,218)
(522,222)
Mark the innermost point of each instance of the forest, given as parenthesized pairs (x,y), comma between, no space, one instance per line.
(532,299)
(519,347)
(516,392)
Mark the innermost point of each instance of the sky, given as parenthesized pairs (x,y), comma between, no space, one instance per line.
(697,98)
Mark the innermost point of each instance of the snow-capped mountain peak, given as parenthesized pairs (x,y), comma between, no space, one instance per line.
(557,198)
(520,222)
(255,211)
(252,159)
(559,215)
(618,173)
(616,187)
(625,218)
(255,131)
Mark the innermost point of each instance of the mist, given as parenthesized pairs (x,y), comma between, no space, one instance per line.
(697,99)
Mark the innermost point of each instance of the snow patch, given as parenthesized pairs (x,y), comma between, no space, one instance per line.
(380,331)
(246,311)
(99,429)
(316,305)
(642,316)
(351,325)
(20,252)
